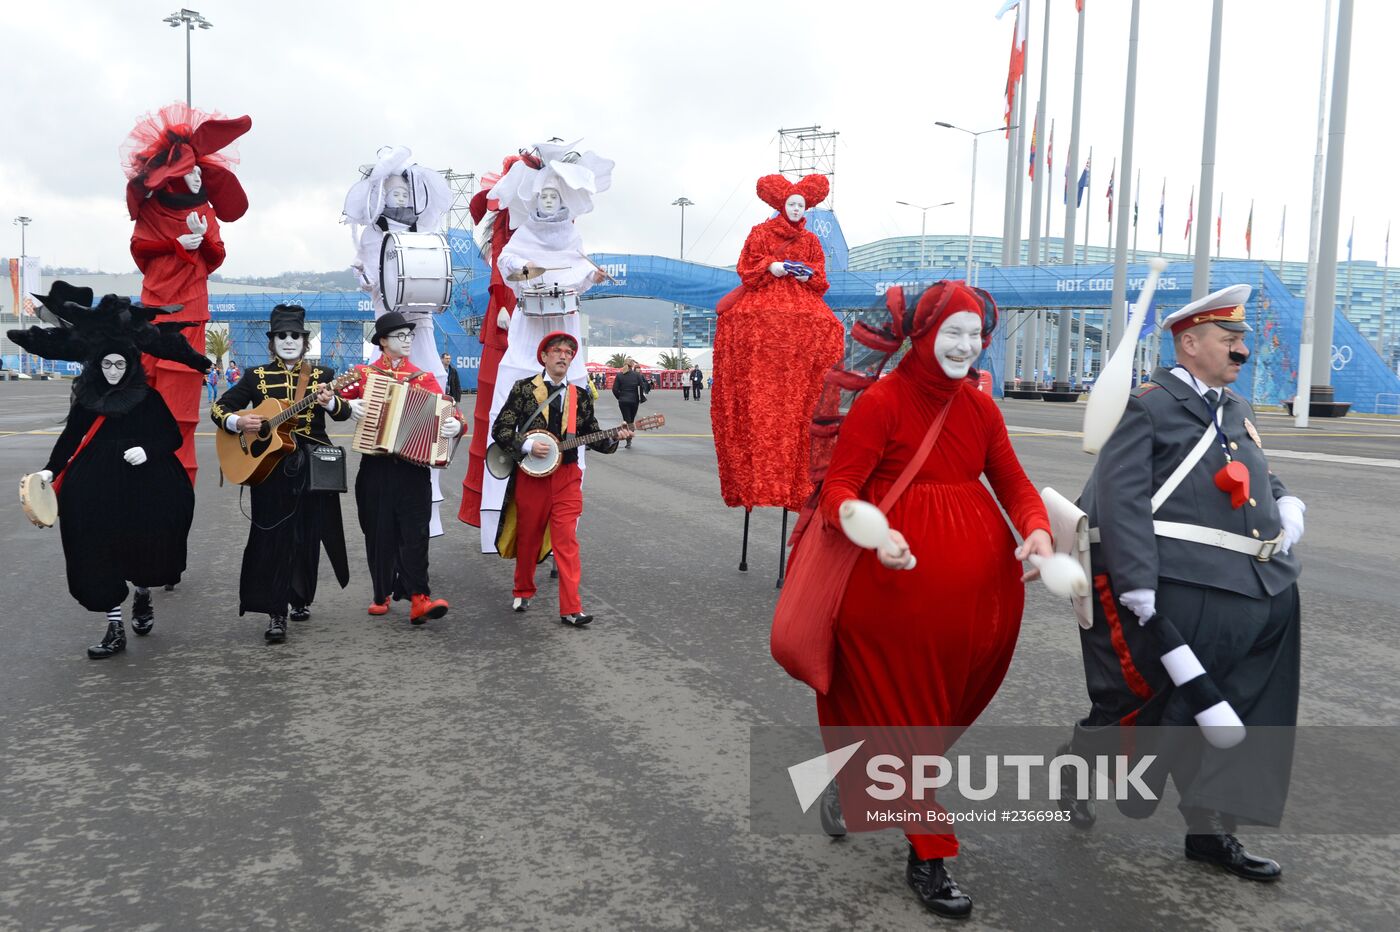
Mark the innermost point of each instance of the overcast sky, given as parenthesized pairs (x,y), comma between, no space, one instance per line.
(687,98)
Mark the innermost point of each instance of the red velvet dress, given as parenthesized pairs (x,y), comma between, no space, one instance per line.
(173,275)
(773,347)
(927,646)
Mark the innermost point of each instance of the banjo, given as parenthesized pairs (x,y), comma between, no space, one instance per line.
(500,462)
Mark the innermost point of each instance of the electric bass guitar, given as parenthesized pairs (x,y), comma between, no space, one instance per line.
(549,450)
(248,459)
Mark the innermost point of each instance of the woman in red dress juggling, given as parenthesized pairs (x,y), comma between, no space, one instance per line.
(927,642)
(774,342)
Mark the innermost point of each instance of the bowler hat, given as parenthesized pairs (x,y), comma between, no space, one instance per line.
(387,324)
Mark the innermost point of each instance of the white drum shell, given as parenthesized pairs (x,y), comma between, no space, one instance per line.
(552,303)
(415,272)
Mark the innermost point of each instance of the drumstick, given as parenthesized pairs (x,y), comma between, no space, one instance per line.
(1109,396)
(610,279)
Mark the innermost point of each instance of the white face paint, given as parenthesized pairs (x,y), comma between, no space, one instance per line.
(288,346)
(113,367)
(195,180)
(795,206)
(398,343)
(958,343)
(396,192)
(549,202)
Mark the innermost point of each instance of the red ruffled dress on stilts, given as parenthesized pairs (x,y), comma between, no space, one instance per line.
(773,347)
(928,646)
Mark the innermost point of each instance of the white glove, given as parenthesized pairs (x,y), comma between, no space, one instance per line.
(190,241)
(196,223)
(46,474)
(135,456)
(357,408)
(451,427)
(778,269)
(503,319)
(1290,512)
(1142,602)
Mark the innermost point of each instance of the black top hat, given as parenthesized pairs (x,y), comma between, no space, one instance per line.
(388,324)
(287,318)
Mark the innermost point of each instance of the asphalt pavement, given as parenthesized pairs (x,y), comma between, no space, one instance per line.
(495,770)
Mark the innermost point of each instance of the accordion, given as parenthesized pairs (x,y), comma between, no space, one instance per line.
(404,421)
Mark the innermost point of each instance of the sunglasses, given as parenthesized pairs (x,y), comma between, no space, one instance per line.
(287,334)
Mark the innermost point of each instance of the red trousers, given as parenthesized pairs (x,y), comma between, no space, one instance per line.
(557,501)
(182,389)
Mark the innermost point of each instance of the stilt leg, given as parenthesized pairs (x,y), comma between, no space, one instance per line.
(744,554)
(782,552)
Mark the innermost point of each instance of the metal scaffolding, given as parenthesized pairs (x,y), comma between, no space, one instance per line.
(806,150)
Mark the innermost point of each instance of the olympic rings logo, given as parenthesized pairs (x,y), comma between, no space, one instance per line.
(1341,355)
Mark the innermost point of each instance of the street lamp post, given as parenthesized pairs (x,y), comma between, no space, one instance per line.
(923,223)
(681,202)
(972,197)
(23,224)
(189,19)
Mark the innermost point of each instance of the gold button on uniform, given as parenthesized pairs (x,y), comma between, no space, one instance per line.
(1252,503)
(1255,532)
(1234,446)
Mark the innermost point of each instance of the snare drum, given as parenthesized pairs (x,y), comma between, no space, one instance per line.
(38,499)
(415,272)
(551,303)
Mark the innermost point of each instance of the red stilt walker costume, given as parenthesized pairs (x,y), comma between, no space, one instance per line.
(928,646)
(179,186)
(775,340)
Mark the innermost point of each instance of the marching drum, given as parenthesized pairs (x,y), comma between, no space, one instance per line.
(553,302)
(38,500)
(415,272)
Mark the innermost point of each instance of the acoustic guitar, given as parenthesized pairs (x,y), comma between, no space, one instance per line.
(501,462)
(249,459)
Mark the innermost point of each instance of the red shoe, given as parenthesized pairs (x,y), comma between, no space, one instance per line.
(425,607)
(379,608)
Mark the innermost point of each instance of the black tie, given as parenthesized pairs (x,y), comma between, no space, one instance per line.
(1212,398)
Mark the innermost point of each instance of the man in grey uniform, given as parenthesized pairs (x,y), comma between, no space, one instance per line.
(1192,523)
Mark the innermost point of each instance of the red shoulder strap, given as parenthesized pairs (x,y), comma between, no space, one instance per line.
(58,479)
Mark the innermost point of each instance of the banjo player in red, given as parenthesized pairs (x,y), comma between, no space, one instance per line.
(543,511)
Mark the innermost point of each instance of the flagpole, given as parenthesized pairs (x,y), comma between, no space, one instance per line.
(1038,156)
(1117,306)
(1017,214)
(1249,233)
(1350,236)
(1305,341)
(1063,382)
(1108,242)
(1282,226)
(1219,223)
(1088,169)
(1320,393)
(1200,278)
(1162,218)
(1045,244)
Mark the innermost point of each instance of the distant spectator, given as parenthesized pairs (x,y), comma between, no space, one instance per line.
(232,374)
(211,382)
(697,379)
(630,389)
(454,381)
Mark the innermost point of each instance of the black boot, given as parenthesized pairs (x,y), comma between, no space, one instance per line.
(143,615)
(935,888)
(1210,840)
(113,642)
(833,821)
(1082,814)
(276,631)
(300,613)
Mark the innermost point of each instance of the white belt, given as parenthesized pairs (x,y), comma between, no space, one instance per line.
(1261,550)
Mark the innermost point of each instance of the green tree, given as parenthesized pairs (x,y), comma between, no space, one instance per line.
(617,360)
(675,360)
(217,343)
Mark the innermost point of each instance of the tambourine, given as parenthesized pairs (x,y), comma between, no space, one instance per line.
(38,499)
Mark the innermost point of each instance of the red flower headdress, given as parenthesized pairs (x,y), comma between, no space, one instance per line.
(774,190)
(166,145)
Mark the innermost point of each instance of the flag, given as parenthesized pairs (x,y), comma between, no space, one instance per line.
(1017,66)
(1217,227)
(1083,183)
(1050,151)
(1079,6)
(30,284)
(1162,208)
(1282,222)
(1249,233)
(1190,212)
(1135,198)
(1349,236)
(1109,195)
(1035,130)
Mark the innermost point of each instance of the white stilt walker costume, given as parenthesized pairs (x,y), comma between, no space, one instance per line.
(542,205)
(396,195)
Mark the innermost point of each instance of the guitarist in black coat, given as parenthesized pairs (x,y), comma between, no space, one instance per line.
(542,512)
(289,524)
